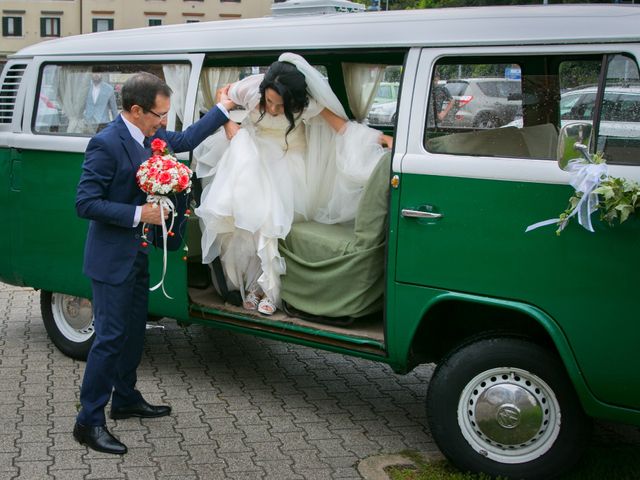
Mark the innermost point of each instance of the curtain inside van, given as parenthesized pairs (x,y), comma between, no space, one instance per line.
(362,82)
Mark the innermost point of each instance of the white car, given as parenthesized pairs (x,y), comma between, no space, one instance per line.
(621,115)
(383,113)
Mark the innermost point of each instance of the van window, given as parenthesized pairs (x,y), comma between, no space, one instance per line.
(515,108)
(80,99)
(619,128)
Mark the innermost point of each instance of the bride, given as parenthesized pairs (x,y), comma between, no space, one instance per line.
(296,157)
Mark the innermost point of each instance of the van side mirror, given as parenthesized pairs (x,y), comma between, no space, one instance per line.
(574,141)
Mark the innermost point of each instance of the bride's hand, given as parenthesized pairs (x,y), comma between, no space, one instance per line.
(231,128)
(386,140)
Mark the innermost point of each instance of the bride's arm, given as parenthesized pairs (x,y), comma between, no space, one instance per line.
(337,123)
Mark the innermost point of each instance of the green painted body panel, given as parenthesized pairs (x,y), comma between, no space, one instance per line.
(582,281)
(47,237)
(9,218)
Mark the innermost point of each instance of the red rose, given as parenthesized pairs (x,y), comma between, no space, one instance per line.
(168,163)
(158,145)
(164,178)
(183,182)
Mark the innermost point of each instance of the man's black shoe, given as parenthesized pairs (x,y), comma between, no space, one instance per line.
(140,409)
(98,438)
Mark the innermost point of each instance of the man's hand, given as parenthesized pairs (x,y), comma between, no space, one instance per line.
(151,214)
(222,96)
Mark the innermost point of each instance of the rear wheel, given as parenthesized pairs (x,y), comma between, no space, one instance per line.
(487,121)
(69,323)
(505,406)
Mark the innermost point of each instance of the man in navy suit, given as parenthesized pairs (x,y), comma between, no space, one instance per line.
(115,259)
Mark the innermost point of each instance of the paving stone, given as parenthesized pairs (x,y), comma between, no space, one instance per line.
(33,470)
(75,474)
(239,462)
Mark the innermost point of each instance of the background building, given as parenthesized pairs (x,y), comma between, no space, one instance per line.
(25,22)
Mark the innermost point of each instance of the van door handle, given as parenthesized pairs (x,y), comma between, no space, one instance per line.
(407,213)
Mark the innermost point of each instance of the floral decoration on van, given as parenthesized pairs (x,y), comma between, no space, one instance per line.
(161,175)
(616,198)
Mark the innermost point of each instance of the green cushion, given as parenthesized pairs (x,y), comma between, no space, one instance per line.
(316,241)
(338,270)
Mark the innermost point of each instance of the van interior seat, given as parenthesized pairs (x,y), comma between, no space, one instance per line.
(338,270)
(538,141)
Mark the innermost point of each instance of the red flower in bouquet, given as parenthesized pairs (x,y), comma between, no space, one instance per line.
(158,176)
(162,174)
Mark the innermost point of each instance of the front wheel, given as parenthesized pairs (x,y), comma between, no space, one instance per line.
(69,323)
(505,406)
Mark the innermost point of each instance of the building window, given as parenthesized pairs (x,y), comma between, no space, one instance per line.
(11,26)
(231,1)
(50,26)
(193,21)
(153,22)
(102,24)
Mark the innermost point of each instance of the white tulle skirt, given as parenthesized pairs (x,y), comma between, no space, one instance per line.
(258,190)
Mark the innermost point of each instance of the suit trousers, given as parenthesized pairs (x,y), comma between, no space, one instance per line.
(120,317)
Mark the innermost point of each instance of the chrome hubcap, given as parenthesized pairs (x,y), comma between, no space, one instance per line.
(509,415)
(73,316)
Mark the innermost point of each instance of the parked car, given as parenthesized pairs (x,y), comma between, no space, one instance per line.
(620,110)
(387,91)
(483,102)
(383,113)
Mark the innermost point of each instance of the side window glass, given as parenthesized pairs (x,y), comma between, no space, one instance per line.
(619,129)
(80,100)
(475,109)
(381,109)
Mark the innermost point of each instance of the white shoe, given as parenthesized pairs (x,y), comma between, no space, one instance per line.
(266,306)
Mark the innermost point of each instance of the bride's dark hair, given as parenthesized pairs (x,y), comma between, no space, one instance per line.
(285,79)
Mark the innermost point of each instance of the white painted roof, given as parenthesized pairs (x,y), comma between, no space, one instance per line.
(525,25)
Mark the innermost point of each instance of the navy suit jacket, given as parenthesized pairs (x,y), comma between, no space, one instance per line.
(108,194)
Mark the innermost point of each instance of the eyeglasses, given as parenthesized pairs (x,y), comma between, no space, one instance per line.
(161,116)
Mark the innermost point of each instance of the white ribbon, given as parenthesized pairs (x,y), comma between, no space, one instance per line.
(585,178)
(163,203)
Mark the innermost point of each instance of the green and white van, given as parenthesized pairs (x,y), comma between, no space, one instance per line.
(533,333)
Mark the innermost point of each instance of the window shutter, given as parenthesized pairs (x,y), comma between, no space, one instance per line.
(43,27)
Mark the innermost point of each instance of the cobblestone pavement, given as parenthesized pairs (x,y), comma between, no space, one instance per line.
(243,407)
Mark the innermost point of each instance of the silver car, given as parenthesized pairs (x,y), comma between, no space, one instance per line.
(483,102)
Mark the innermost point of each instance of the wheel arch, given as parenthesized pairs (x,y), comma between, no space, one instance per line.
(453,319)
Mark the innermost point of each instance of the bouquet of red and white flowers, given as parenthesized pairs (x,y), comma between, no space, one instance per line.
(161,175)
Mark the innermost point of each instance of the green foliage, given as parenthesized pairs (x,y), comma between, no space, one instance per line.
(618,198)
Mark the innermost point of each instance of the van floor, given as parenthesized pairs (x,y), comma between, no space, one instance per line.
(366,328)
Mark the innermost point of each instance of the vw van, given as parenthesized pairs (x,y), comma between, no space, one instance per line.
(533,333)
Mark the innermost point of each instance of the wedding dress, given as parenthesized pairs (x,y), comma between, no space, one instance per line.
(260,182)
